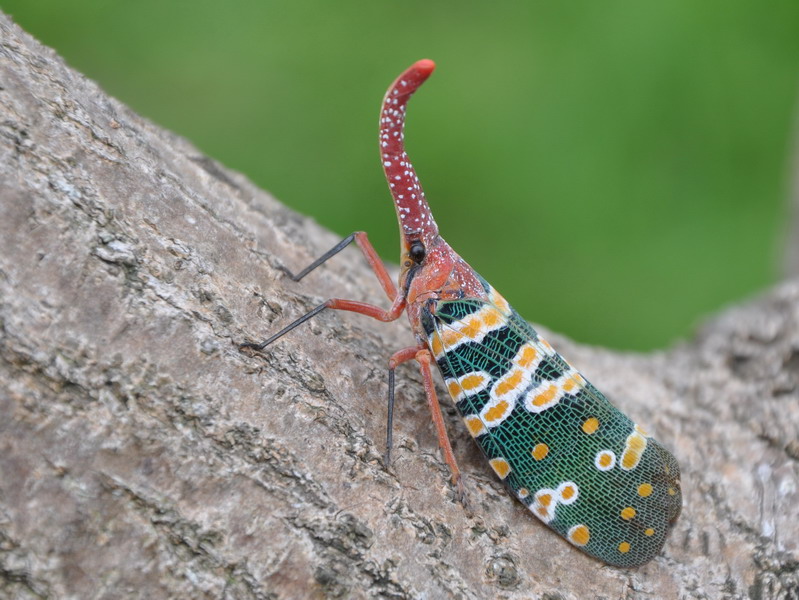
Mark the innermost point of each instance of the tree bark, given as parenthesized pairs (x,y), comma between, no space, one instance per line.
(142,455)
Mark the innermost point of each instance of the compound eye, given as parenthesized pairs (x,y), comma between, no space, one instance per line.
(417,251)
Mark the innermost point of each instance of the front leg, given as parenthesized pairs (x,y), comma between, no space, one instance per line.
(398,301)
(370,310)
(369,253)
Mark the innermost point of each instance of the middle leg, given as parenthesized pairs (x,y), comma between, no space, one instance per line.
(424,359)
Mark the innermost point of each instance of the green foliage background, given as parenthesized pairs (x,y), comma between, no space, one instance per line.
(617,169)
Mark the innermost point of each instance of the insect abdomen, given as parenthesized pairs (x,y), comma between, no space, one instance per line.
(578,463)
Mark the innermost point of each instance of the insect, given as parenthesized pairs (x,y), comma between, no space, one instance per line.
(573,459)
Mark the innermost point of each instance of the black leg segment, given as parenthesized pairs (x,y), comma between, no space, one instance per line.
(286,329)
(390,421)
(325,257)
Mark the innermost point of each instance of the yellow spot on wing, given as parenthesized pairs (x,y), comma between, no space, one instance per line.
(545,503)
(497,300)
(629,460)
(579,535)
(451,337)
(435,344)
(503,401)
(628,513)
(496,412)
(466,385)
(472,329)
(500,466)
(633,450)
(567,493)
(645,490)
(624,547)
(546,396)
(605,460)
(492,318)
(649,531)
(527,356)
(540,451)
(471,382)
(508,383)
(591,425)
(475,425)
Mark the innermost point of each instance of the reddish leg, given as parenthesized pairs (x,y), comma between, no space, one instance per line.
(424,359)
(369,254)
(370,310)
(398,301)
(377,265)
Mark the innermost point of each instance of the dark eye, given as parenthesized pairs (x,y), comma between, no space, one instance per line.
(417,251)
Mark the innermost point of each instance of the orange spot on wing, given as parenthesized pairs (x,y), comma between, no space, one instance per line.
(573,382)
(567,492)
(472,328)
(579,535)
(629,460)
(633,449)
(605,460)
(436,345)
(624,547)
(645,490)
(497,412)
(499,301)
(475,425)
(492,318)
(540,451)
(649,531)
(500,466)
(528,355)
(509,383)
(591,425)
(454,389)
(628,513)
(546,396)
(471,382)
(451,337)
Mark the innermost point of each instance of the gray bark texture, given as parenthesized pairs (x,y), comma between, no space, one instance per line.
(142,455)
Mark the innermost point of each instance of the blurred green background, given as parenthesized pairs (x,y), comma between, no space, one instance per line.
(617,169)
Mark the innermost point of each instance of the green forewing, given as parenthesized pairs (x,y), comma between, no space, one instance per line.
(562,449)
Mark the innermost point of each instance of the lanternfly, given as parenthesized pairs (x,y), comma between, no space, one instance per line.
(578,463)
